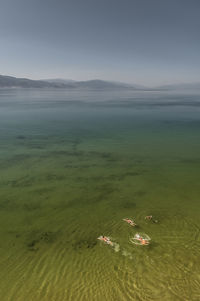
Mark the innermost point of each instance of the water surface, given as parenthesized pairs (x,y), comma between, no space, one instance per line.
(72,166)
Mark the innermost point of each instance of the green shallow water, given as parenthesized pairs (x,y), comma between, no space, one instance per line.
(72,166)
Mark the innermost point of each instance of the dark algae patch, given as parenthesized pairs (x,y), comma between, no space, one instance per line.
(14,160)
(25,181)
(8,204)
(83,244)
(21,137)
(36,238)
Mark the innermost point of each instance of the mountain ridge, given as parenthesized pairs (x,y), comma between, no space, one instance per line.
(14,82)
(94,84)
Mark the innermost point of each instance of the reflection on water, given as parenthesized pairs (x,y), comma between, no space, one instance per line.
(72,166)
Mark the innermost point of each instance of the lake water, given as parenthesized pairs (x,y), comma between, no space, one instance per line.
(73,164)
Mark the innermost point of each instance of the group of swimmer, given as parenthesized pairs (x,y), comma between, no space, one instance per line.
(138,239)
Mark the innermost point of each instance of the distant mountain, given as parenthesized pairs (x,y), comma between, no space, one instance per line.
(96,84)
(59,80)
(14,82)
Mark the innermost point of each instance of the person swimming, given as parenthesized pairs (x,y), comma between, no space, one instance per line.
(105,239)
(150,218)
(129,221)
(140,239)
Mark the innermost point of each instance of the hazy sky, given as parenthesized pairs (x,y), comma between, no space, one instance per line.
(138,41)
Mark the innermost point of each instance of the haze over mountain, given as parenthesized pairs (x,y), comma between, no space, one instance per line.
(181,86)
(58,80)
(13,82)
(97,84)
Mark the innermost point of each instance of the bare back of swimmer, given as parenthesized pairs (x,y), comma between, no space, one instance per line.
(129,221)
(106,240)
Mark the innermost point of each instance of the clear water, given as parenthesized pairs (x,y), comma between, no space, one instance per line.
(72,166)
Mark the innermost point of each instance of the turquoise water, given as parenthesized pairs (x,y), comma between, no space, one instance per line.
(72,166)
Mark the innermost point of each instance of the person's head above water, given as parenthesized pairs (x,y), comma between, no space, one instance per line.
(148,217)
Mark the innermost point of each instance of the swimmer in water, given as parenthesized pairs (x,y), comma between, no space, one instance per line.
(150,218)
(105,239)
(143,241)
(129,221)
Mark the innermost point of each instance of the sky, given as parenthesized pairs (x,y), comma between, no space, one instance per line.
(148,42)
